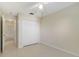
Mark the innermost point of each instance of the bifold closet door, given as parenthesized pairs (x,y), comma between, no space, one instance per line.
(30,31)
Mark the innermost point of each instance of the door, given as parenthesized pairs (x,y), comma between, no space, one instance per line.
(1,35)
(29,32)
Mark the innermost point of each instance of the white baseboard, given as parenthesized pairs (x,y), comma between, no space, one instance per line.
(61,49)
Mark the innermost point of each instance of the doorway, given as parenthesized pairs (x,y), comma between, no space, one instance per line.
(9,33)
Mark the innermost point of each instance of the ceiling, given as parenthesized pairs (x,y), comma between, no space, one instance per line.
(50,7)
(12,8)
(56,6)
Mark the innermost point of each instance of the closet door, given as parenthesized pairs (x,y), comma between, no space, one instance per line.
(30,32)
(1,35)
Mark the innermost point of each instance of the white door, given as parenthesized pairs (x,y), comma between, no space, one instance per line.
(30,31)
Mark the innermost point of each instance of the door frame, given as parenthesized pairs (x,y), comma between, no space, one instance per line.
(2,41)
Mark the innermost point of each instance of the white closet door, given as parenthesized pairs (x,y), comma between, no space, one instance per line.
(30,31)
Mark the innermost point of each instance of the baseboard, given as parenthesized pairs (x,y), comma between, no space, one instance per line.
(30,45)
(61,49)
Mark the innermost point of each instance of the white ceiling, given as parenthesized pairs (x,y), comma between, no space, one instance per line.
(51,7)
(27,7)
(15,7)
(56,6)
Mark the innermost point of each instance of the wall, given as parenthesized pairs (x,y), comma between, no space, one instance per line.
(61,29)
(28,30)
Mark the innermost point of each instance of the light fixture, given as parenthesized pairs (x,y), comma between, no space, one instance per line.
(41,6)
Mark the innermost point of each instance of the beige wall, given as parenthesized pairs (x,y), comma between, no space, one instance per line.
(62,29)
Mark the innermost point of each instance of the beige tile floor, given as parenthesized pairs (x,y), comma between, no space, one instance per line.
(36,50)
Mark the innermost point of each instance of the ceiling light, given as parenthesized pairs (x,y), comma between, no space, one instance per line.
(40,6)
